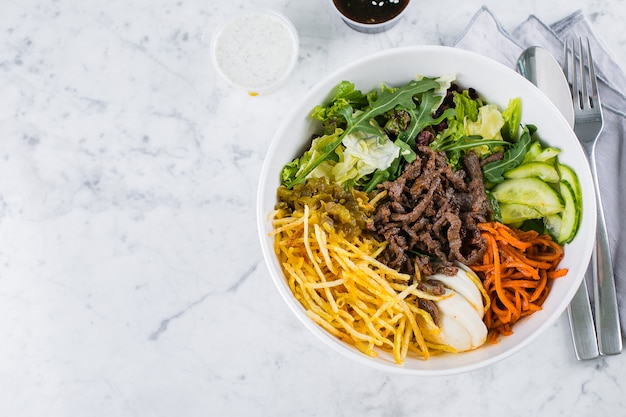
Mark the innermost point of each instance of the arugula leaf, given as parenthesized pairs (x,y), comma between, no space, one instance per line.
(379,176)
(390,98)
(512,158)
(360,121)
(467,142)
(420,117)
(406,151)
(423,117)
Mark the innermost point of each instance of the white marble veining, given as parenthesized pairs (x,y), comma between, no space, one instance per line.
(131,278)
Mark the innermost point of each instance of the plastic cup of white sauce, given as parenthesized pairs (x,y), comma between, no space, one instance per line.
(256,50)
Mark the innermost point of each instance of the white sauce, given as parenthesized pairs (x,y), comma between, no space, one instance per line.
(256,50)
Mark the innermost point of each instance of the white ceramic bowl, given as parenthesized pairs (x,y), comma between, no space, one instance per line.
(497,84)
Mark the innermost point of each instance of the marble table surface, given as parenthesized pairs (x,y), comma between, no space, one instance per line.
(131,278)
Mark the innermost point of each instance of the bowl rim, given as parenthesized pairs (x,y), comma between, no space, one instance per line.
(297,309)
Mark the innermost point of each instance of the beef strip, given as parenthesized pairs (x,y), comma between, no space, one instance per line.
(431,308)
(431,213)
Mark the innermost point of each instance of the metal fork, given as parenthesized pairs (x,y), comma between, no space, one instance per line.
(587,126)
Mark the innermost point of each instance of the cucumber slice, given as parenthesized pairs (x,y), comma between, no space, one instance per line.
(514,214)
(567,174)
(547,154)
(532,192)
(571,214)
(541,170)
(533,150)
(552,223)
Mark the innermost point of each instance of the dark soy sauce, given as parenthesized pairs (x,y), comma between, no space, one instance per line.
(371,11)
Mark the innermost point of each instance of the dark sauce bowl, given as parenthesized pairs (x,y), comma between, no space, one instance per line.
(371,16)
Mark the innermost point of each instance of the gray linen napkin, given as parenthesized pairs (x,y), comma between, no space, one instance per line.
(485,35)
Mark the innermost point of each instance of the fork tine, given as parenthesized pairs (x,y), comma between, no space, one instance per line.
(594,100)
(584,94)
(571,73)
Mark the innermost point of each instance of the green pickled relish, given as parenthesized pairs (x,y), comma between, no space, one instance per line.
(347,211)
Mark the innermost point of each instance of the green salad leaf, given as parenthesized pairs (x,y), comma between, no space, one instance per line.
(362,120)
(513,157)
(421,117)
(512,116)
(323,145)
(363,154)
(472,126)
(478,127)
(346,97)
(466,106)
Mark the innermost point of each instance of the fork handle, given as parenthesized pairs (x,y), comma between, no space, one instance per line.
(607,313)
(605,297)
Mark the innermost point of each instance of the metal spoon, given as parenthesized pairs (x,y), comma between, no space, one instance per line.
(539,67)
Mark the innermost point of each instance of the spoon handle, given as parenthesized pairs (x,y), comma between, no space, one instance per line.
(581,323)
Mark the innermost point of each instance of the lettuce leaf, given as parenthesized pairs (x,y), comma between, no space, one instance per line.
(465,106)
(363,154)
(471,121)
(334,115)
(512,116)
(488,124)
(358,156)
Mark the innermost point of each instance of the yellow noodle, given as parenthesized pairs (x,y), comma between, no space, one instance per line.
(349,293)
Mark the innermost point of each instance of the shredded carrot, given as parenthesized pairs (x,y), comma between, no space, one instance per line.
(516,270)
